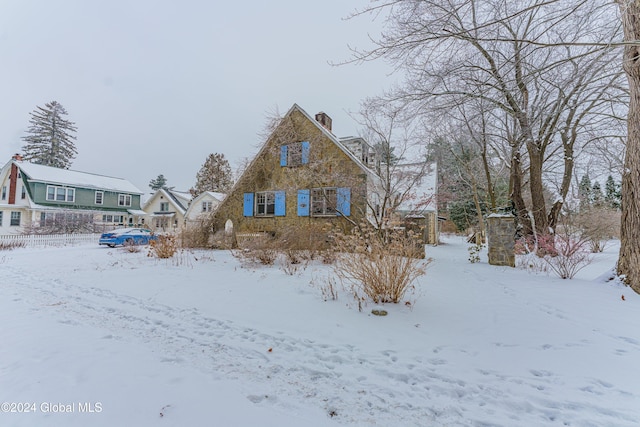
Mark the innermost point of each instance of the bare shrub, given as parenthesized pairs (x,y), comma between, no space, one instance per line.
(258,249)
(195,235)
(380,266)
(329,290)
(564,253)
(291,263)
(571,255)
(165,246)
(598,225)
(7,246)
(182,258)
(305,242)
(131,247)
(329,256)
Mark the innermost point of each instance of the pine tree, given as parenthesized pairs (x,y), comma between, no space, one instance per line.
(50,137)
(158,183)
(214,175)
(612,193)
(584,191)
(597,198)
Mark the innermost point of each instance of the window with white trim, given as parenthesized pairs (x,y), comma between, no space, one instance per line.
(124,199)
(207,206)
(0,218)
(23,195)
(4,192)
(15,219)
(164,206)
(324,201)
(99,197)
(265,203)
(60,194)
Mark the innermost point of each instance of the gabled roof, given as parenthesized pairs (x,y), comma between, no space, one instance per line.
(334,139)
(211,195)
(375,178)
(218,196)
(57,176)
(179,199)
(182,199)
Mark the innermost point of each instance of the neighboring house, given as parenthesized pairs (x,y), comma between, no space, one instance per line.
(416,189)
(36,198)
(302,176)
(165,209)
(203,206)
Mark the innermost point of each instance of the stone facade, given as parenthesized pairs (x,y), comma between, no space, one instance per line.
(501,231)
(327,166)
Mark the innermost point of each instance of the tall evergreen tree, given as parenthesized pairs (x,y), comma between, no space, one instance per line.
(597,198)
(214,175)
(158,183)
(584,192)
(612,193)
(50,137)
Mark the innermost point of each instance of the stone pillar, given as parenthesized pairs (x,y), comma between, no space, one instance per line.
(501,231)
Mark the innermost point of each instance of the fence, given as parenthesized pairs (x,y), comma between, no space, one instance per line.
(32,240)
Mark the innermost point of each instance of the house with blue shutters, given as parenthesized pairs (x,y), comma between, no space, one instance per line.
(303,176)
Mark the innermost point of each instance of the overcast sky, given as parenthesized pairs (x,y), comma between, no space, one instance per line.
(155,86)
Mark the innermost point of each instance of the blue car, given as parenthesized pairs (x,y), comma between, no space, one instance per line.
(127,236)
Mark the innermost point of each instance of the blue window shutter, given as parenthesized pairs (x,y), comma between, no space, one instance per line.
(283,155)
(344,201)
(280,209)
(305,152)
(248,204)
(303,202)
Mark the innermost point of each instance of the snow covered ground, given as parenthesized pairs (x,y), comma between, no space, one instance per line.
(103,337)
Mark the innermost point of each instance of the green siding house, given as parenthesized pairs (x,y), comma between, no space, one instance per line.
(38,199)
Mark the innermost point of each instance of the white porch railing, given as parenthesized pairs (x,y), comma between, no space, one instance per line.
(32,240)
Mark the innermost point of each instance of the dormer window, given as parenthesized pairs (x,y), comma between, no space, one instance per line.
(60,194)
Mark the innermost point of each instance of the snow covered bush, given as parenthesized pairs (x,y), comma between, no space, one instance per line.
(474,253)
(381,267)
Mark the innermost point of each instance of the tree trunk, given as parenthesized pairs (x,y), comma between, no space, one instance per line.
(516,194)
(629,261)
(566,184)
(538,205)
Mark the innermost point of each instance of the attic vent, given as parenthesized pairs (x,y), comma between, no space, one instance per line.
(324,120)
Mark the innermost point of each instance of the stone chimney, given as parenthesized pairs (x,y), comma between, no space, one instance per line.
(324,120)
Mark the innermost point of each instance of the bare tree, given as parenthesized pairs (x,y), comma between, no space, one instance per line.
(525,58)
(400,159)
